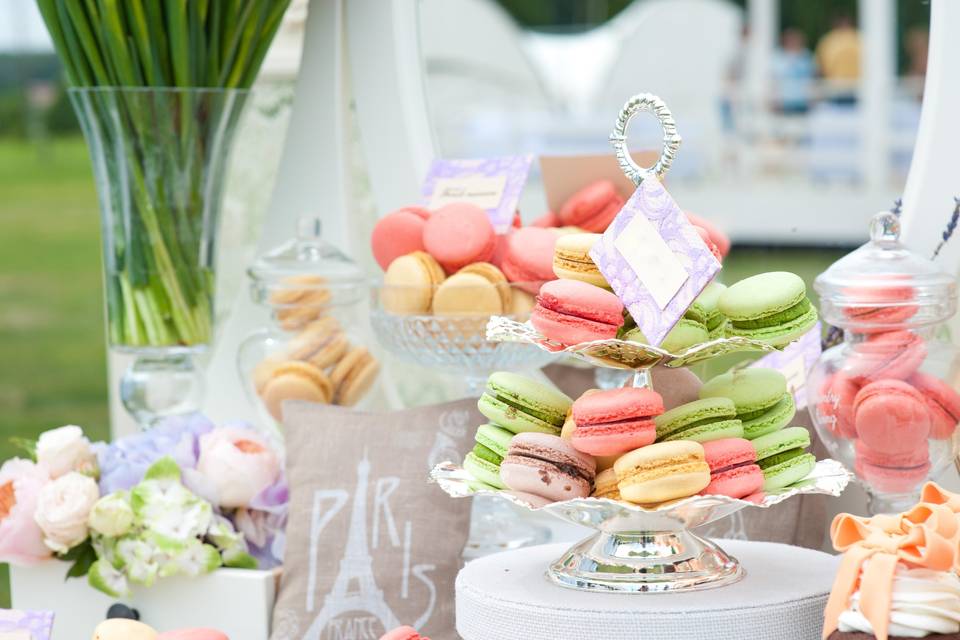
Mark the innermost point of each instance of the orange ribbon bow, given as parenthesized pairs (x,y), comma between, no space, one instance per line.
(926,536)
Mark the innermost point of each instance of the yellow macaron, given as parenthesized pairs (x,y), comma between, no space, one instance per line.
(409,283)
(572,261)
(663,471)
(467,294)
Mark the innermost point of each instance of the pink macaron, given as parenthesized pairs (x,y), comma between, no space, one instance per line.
(898,473)
(398,233)
(403,633)
(196,633)
(547,466)
(835,408)
(571,312)
(719,239)
(891,417)
(616,420)
(592,208)
(733,468)
(881,307)
(459,234)
(709,242)
(889,355)
(528,257)
(943,404)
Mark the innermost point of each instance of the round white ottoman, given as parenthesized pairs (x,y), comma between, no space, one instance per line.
(506,596)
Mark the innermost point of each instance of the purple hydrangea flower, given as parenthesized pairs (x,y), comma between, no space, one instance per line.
(124,462)
(263,524)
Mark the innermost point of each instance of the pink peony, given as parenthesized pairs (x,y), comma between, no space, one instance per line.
(21,540)
(238,463)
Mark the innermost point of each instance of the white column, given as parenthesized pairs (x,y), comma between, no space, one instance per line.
(934,180)
(763,20)
(877,77)
(312,178)
(388,77)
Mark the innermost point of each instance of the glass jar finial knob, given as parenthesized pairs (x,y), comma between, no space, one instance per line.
(885,228)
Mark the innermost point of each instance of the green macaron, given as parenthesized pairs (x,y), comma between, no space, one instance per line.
(519,404)
(773,419)
(483,470)
(769,307)
(705,308)
(754,390)
(782,457)
(685,334)
(700,421)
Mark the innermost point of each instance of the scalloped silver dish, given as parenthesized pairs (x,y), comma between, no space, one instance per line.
(647,549)
(619,354)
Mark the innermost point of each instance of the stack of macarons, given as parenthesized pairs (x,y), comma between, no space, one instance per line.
(769,307)
(451,262)
(320,364)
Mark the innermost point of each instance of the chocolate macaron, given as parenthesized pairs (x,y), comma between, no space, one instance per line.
(547,466)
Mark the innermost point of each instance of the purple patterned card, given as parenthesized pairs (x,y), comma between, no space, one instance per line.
(794,362)
(654,260)
(493,184)
(25,625)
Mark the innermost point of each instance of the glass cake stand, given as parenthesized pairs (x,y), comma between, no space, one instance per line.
(644,550)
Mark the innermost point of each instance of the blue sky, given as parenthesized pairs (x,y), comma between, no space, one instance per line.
(21,27)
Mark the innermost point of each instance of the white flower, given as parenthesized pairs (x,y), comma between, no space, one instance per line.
(111,516)
(104,577)
(240,464)
(63,508)
(166,508)
(60,451)
(140,560)
(194,559)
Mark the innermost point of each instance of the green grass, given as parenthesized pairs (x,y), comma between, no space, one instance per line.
(53,369)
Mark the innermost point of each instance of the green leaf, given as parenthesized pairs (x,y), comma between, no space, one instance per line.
(163,469)
(82,556)
(26,445)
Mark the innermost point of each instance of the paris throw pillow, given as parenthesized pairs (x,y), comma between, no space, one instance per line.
(371,545)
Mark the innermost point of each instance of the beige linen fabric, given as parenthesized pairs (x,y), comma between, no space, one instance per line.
(370,543)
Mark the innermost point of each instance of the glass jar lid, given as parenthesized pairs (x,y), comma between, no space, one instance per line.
(883,285)
(305,272)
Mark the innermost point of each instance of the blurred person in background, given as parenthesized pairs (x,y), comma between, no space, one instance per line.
(794,71)
(838,57)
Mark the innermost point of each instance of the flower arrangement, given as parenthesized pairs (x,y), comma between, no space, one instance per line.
(182,499)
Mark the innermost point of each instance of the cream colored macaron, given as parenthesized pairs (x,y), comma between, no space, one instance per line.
(662,471)
(572,261)
(353,376)
(295,380)
(409,283)
(123,629)
(467,294)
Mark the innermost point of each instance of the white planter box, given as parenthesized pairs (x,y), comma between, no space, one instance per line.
(235,601)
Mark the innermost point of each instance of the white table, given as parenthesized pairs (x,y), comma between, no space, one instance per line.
(506,596)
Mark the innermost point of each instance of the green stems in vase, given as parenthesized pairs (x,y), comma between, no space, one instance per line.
(159,88)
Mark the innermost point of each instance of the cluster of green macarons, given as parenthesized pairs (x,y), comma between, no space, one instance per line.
(513,404)
(754,404)
(769,307)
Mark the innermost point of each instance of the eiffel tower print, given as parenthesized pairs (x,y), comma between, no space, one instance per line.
(355,590)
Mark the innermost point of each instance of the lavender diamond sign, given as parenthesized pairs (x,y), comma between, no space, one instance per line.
(493,184)
(25,625)
(654,260)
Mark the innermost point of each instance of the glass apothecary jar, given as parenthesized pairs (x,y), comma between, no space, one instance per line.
(311,347)
(883,400)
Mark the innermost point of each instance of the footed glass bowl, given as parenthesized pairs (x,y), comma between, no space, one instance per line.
(641,550)
(455,343)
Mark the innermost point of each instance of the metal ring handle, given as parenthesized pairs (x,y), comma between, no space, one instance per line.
(648,103)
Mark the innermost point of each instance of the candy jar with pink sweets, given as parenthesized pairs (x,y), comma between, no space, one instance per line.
(882,400)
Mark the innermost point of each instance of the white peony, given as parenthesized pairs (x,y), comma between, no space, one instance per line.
(63,508)
(66,449)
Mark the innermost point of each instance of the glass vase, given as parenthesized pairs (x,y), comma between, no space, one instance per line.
(159,159)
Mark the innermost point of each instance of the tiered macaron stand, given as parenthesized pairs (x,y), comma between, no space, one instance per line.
(637,549)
